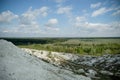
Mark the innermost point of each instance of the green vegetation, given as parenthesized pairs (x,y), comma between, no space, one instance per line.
(88,46)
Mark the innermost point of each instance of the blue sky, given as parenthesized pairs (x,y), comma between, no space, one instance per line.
(59,18)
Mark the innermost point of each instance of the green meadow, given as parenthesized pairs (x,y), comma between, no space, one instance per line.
(81,46)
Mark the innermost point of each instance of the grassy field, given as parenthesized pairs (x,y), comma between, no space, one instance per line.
(82,46)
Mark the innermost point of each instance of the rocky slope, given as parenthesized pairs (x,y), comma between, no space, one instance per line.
(105,67)
(16,64)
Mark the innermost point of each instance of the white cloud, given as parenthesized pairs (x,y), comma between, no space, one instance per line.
(52,22)
(95,5)
(88,26)
(116,13)
(31,28)
(98,29)
(32,15)
(64,10)
(53,28)
(98,26)
(7,16)
(101,11)
(23,28)
(79,18)
(44,11)
(92,26)
(28,21)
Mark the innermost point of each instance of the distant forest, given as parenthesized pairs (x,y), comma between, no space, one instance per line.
(82,46)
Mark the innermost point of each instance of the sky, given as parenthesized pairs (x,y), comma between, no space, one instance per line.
(59,18)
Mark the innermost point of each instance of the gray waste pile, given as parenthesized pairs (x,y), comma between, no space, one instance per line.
(31,64)
(16,64)
(106,67)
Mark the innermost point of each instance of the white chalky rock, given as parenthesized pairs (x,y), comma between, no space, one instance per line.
(15,64)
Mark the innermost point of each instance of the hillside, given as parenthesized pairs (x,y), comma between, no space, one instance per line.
(31,64)
(16,64)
